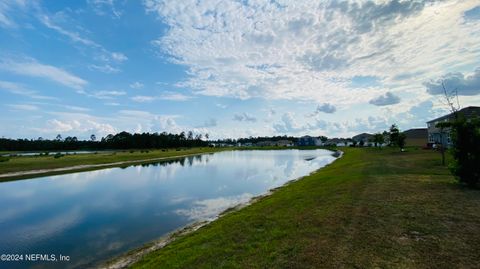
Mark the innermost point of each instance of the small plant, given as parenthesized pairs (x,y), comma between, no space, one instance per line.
(4,159)
(58,155)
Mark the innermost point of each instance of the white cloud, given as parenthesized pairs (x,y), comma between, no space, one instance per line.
(20,89)
(464,85)
(244,117)
(311,50)
(106,68)
(107,94)
(143,98)
(30,67)
(136,85)
(385,100)
(150,122)
(208,123)
(119,57)
(76,124)
(99,6)
(9,8)
(288,124)
(326,108)
(170,96)
(54,22)
(23,107)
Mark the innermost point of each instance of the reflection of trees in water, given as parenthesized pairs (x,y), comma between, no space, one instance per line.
(184,161)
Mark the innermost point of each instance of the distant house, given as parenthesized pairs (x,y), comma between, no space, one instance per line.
(267,143)
(339,142)
(279,143)
(435,134)
(416,137)
(363,138)
(309,141)
(284,143)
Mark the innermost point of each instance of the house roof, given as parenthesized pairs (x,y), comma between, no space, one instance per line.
(416,133)
(362,136)
(468,112)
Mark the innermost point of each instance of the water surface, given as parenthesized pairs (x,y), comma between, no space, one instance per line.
(93,216)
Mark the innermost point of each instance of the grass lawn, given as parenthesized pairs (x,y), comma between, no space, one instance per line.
(26,163)
(370,209)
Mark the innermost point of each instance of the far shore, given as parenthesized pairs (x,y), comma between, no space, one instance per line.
(25,167)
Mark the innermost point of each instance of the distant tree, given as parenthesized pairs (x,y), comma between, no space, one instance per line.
(59,137)
(397,139)
(378,139)
(190,135)
(93,138)
(401,140)
(323,139)
(393,135)
(207,136)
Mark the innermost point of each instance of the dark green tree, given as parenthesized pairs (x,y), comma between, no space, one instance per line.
(465,135)
(378,139)
(393,135)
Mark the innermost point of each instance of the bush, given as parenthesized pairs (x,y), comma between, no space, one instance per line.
(466,151)
(58,155)
(4,159)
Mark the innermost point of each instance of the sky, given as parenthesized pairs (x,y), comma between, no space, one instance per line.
(233,68)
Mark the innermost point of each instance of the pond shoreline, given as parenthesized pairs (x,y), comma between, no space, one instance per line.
(134,255)
(85,167)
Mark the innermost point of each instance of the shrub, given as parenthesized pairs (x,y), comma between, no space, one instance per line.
(465,137)
(4,159)
(58,155)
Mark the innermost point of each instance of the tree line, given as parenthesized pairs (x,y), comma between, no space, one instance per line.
(122,140)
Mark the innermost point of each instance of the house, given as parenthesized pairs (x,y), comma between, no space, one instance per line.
(279,143)
(309,141)
(438,136)
(363,138)
(416,137)
(284,143)
(339,142)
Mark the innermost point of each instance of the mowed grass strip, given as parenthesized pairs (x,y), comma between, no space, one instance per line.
(370,209)
(27,163)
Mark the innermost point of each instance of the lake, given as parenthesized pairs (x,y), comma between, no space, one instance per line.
(94,216)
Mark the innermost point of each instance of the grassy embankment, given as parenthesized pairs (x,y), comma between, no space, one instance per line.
(27,163)
(370,209)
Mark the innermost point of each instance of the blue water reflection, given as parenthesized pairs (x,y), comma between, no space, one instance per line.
(93,216)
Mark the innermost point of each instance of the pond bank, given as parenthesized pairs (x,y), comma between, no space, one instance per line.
(128,259)
(371,208)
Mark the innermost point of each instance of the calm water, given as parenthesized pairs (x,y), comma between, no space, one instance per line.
(93,216)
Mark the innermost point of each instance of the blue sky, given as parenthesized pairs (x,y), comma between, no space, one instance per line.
(232,68)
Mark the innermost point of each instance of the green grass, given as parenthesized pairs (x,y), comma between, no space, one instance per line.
(27,163)
(370,209)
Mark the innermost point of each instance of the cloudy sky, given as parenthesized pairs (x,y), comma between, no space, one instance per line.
(232,68)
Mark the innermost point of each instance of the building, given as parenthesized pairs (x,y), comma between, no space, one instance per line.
(438,136)
(416,137)
(279,143)
(284,143)
(339,142)
(309,141)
